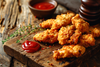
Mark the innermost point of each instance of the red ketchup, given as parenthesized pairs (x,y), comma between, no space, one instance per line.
(30,46)
(43,6)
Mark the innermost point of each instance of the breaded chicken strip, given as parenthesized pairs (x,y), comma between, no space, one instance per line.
(75,37)
(62,20)
(80,24)
(65,33)
(94,31)
(69,51)
(48,36)
(87,40)
(47,24)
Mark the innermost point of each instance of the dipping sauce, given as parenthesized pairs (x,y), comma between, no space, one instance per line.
(30,46)
(43,6)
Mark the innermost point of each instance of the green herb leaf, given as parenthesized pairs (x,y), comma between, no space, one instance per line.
(17,41)
(22,31)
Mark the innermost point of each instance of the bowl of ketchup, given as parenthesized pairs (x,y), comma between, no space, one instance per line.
(42,8)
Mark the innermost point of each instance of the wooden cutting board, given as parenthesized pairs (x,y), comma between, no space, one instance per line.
(44,57)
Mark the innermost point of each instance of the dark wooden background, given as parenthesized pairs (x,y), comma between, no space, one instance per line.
(15,14)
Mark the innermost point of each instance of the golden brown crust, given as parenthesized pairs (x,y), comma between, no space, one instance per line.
(69,51)
(87,40)
(48,36)
(62,20)
(75,37)
(65,33)
(78,34)
(94,31)
(78,50)
(80,24)
(47,24)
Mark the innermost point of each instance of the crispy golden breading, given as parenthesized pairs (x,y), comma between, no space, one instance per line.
(78,35)
(87,40)
(78,50)
(69,51)
(80,24)
(62,20)
(65,33)
(94,31)
(47,24)
(48,36)
(75,37)
(58,24)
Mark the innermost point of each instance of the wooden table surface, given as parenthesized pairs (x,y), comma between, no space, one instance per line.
(15,14)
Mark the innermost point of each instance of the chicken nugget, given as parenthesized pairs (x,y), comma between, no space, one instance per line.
(69,51)
(65,33)
(62,20)
(75,37)
(94,31)
(47,24)
(80,24)
(78,50)
(47,36)
(87,40)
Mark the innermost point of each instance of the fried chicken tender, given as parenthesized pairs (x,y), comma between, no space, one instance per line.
(87,40)
(47,24)
(65,33)
(69,51)
(80,24)
(48,36)
(94,31)
(75,37)
(62,20)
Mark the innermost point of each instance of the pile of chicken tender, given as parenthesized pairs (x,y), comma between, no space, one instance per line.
(71,31)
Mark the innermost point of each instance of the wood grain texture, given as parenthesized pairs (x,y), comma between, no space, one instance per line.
(41,57)
(22,18)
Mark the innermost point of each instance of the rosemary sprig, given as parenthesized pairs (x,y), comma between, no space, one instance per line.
(21,31)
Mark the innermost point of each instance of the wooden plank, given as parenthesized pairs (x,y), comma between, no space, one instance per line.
(7,11)
(1,29)
(14,15)
(4,58)
(2,8)
(20,19)
(5,14)
(2,5)
(42,57)
(7,19)
(16,63)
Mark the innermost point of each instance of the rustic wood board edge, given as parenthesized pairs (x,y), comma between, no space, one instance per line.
(22,58)
(25,60)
